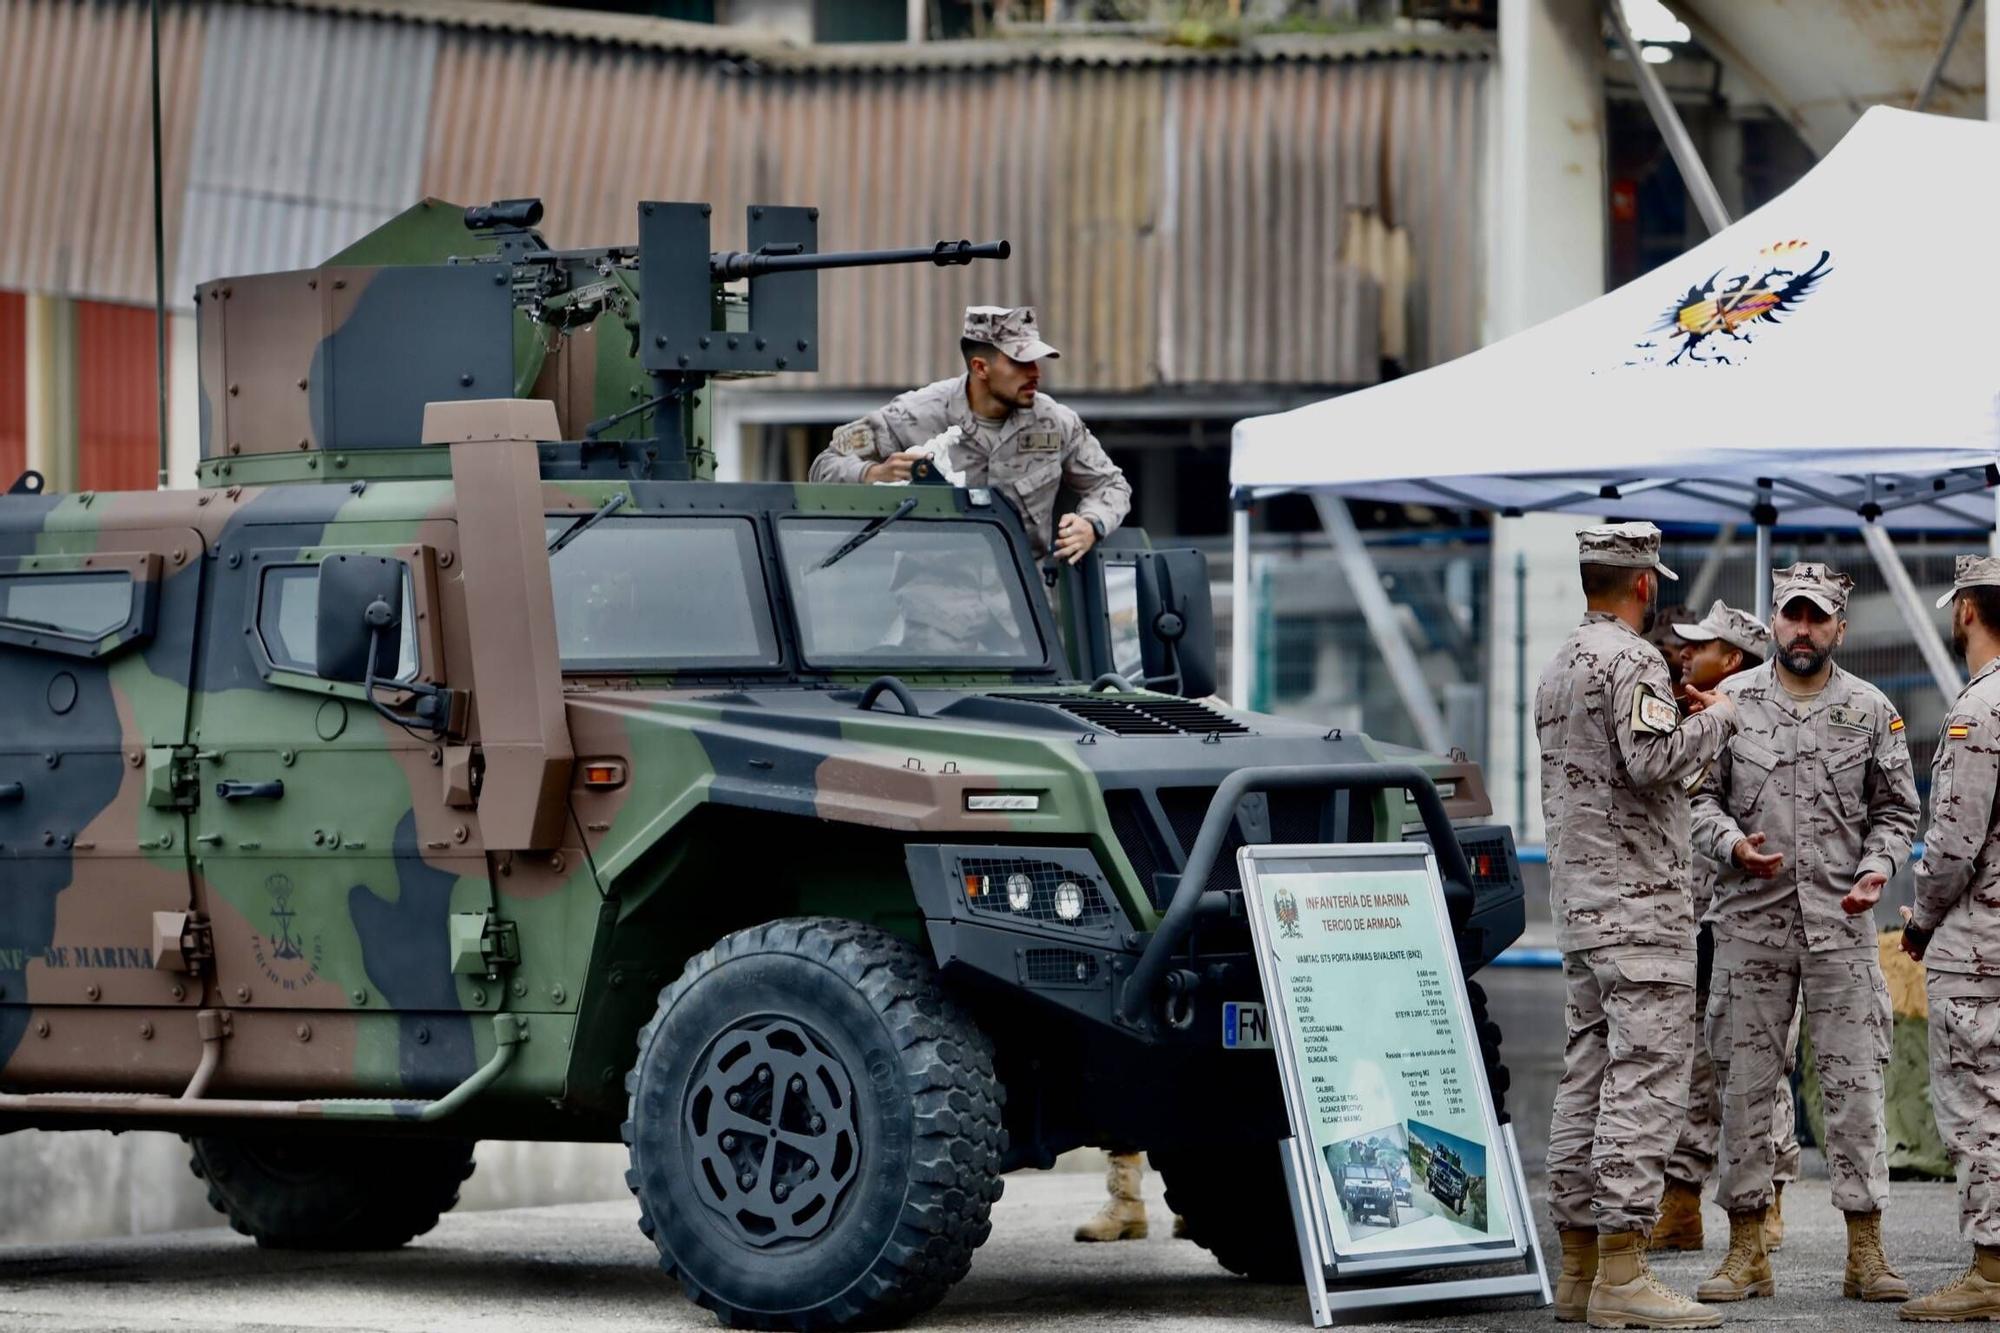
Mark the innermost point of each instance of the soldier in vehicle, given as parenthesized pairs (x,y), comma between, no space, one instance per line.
(1954,930)
(1617,758)
(1724,642)
(1810,809)
(1012,437)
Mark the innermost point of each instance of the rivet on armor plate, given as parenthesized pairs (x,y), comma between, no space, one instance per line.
(94,991)
(305,1031)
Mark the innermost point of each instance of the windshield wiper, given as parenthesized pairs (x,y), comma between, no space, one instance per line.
(867,534)
(586,523)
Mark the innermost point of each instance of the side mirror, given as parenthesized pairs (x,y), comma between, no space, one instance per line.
(1176,622)
(360,616)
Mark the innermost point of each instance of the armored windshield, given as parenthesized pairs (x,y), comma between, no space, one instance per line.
(652,594)
(920,592)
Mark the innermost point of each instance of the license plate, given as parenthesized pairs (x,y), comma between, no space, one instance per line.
(1245,1027)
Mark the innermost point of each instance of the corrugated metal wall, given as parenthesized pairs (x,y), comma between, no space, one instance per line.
(310,133)
(1176,222)
(13,386)
(117,398)
(1174,225)
(76,181)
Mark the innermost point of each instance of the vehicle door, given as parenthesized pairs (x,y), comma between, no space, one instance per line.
(329,850)
(97,632)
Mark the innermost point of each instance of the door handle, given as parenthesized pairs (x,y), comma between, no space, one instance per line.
(12,791)
(231,790)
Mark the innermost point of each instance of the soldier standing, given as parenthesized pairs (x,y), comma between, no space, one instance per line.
(1012,437)
(1811,809)
(1617,759)
(1724,642)
(1954,930)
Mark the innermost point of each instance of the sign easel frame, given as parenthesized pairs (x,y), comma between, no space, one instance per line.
(1330,1274)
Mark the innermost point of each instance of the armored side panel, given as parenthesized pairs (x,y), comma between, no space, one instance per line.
(333,359)
(678,313)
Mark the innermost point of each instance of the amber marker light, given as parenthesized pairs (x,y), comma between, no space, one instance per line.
(602,774)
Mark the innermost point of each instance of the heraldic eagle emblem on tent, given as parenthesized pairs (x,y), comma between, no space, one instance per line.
(1702,325)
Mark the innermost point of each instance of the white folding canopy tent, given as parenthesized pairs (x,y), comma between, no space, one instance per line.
(1830,360)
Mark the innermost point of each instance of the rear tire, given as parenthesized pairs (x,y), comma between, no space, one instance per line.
(331,1192)
(865,1205)
(1233,1198)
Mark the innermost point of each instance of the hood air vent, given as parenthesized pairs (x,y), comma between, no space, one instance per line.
(1130,715)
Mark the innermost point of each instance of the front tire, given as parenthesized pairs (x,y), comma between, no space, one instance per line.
(331,1192)
(814,1129)
(1233,1198)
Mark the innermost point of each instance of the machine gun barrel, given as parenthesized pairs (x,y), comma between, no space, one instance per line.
(793,259)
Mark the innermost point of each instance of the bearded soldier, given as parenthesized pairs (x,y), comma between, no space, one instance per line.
(1011,437)
(1617,759)
(1723,643)
(1811,809)
(1954,930)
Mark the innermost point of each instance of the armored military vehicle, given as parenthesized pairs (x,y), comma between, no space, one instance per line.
(1366,1191)
(460,761)
(1446,1182)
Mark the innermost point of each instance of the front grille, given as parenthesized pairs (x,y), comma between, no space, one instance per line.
(1059,967)
(1126,715)
(985,882)
(1297,815)
(1133,826)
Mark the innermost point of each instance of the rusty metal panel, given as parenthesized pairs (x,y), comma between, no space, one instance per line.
(310,132)
(117,398)
(1177,223)
(13,386)
(76,215)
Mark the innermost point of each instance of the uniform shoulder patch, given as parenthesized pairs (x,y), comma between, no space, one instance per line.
(1895,722)
(1957,728)
(1654,712)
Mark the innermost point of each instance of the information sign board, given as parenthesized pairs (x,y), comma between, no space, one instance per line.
(1397,1159)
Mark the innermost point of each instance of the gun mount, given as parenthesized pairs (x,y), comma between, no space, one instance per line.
(445,303)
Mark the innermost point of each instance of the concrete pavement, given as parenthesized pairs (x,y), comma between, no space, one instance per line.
(585,1266)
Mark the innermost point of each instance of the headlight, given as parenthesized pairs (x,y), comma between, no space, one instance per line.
(1020,892)
(1069,901)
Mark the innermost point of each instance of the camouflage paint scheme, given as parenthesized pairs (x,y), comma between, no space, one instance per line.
(336,887)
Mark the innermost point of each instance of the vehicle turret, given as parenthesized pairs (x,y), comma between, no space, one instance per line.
(323,374)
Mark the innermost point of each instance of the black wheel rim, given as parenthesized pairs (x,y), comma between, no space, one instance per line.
(768,1126)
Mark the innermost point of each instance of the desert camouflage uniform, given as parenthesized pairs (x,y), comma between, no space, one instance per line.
(1828,782)
(1026,456)
(1958,896)
(1616,758)
(1694,1156)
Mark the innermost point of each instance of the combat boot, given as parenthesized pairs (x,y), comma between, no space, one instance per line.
(1868,1276)
(1627,1295)
(1774,1220)
(1579,1270)
(1975,1294)
(1746,1270)
(1679,1227)
(1123,1216)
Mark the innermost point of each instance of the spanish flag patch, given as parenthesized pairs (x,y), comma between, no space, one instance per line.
(1895,722)
(1957,731)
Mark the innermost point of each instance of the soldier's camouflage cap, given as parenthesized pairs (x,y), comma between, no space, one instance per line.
(1738,628)
(1011,329)
(1819,584)
(1972,571)
(1628,545)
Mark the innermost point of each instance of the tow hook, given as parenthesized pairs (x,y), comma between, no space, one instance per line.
(1181,987)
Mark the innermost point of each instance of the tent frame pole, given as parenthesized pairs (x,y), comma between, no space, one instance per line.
(1764,514)
(1923,628)
(1242,650)
(1693,173)
(1384,624)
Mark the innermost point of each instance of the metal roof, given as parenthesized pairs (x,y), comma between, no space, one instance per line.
(764,48)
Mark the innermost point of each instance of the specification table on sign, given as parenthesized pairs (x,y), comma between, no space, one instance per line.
(1369,1001)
